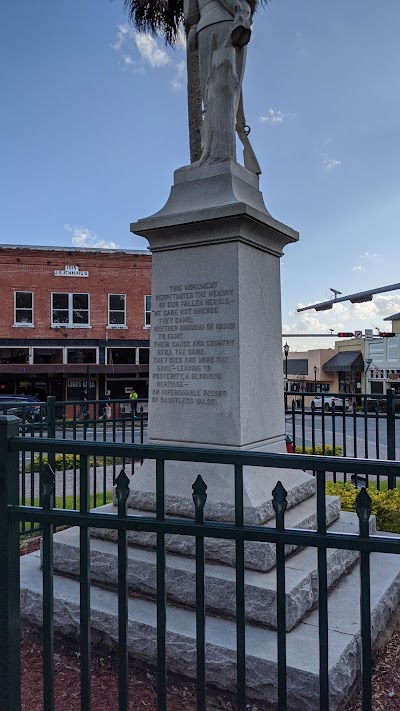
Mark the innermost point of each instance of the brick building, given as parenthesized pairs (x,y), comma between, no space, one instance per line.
(74,318)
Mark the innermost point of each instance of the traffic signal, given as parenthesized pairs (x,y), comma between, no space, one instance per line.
(387,334)
(345,334)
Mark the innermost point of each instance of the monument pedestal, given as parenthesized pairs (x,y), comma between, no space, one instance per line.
(216,340)
(216,350)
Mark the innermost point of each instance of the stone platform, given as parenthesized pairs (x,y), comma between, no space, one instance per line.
(260,587)
(302,639)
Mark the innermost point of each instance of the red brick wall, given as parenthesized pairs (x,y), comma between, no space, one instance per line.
(26,269)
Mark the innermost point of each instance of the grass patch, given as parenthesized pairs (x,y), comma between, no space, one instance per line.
(69,504)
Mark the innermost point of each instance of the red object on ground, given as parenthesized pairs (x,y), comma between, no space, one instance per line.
(289,445)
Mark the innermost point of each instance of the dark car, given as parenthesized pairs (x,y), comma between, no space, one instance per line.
(380,404)
(24,406)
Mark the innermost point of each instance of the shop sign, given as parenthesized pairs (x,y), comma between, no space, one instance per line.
(70,271)
(81,384)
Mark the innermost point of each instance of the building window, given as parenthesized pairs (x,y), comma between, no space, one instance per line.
(70,310)
(14,355)
(23,312)
(50,356)
(144,356)
(81,355)
(147,311)
(116,310)
(121,356)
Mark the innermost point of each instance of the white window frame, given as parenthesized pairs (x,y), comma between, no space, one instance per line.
(70,295)
(116,325)
(147,311)
(24,325)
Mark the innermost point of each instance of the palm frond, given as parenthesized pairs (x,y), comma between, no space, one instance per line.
(161,17)
(157,17)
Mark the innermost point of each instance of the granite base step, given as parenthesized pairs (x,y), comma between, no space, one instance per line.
(261,643)
(260,587)
(258,556)
(258,484)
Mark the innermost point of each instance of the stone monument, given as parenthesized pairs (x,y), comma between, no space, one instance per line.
(215,348)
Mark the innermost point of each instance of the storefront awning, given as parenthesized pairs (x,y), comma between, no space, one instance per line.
(70,369)
(345,361)
(296,366)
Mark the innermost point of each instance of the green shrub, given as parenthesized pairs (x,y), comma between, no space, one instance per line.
(66,461)
(318,450)
(385,504)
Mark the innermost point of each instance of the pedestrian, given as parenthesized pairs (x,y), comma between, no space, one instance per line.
(134,396)
(107,408)
(83,407)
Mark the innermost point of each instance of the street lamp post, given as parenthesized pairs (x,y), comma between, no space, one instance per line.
(315,378)
(286,352)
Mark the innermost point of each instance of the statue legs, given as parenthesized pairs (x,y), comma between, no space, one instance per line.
(221,76)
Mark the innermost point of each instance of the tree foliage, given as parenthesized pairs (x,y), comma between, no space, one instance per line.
(158,17)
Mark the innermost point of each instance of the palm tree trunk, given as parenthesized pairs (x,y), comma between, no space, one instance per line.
(194,104)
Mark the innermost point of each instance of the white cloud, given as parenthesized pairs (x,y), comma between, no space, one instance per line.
(180,42)
(138,50)
(123,36)
(178,81)
(123,45)
(127,60)
(150,51)
(371,256)
(358,269)
(275,117)
(343,317)
(82,237)
(330,163)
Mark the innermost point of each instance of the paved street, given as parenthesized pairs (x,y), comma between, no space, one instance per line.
(359,438)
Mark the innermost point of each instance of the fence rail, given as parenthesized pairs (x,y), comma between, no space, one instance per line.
(12,514)
(94,420)
(359,425)
(370,428)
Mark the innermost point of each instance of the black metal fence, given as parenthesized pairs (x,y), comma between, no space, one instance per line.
(366,426)
(12,514)
(353,425)
(94,420)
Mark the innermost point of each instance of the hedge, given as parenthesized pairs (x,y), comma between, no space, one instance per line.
(67,461)
(385,504)
(318,450)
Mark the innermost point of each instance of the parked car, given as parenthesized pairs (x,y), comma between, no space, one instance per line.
(380,405)
(24,406)
(327,402)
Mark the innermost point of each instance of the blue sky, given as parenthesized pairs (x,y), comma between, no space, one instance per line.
(93,124)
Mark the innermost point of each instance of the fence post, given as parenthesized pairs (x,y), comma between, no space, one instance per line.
(390,432)
(10,663)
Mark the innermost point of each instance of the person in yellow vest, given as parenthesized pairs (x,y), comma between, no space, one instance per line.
(134,396)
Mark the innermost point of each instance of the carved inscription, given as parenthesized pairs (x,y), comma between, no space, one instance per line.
(194,330)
